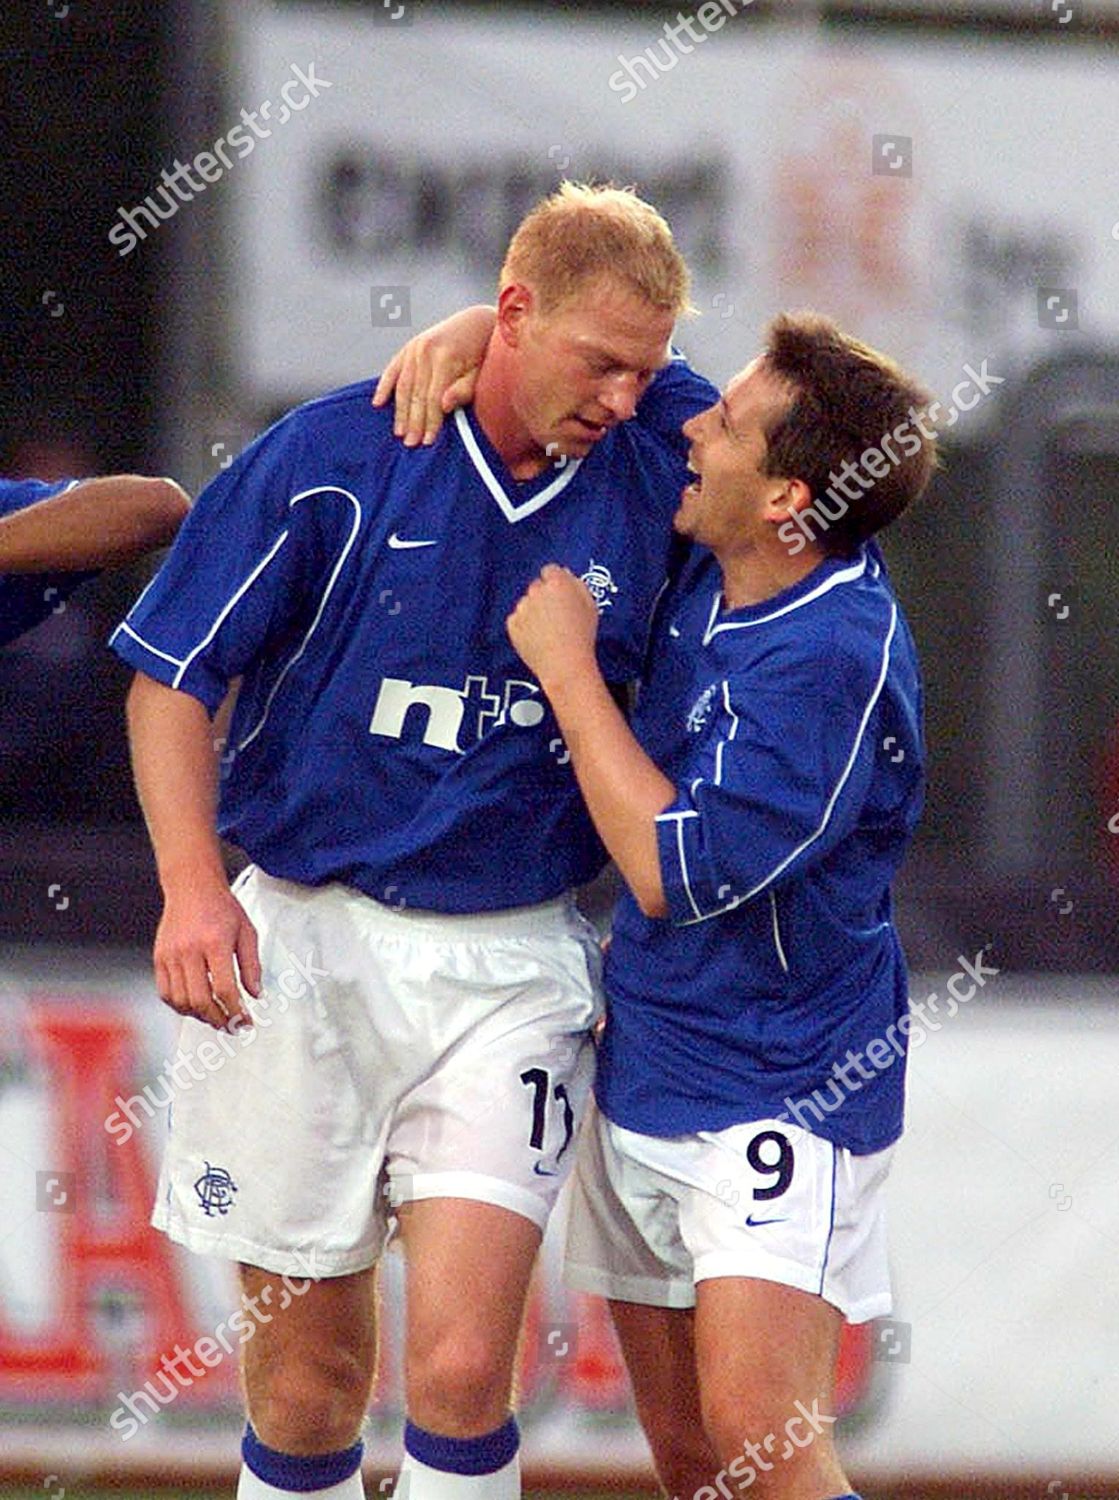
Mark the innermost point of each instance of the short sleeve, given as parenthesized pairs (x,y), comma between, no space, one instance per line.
(777,780)
(234,578)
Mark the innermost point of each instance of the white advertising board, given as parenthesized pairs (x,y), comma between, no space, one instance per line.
(933,195)
(999,1359)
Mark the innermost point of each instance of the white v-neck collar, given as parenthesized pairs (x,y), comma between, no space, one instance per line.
(715,626)
(509,509)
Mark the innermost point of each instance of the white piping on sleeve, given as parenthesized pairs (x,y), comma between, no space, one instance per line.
(678,819)
(303,495)
(832,800)
(155,651)
(229,605)
(731,734)
(847,769)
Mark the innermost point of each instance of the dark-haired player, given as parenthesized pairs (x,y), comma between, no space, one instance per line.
(54,536)
(728,1195)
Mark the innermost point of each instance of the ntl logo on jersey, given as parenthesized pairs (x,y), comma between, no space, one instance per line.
(447,709)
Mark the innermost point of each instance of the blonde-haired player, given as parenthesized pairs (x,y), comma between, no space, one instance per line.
(574,244)
(414,834)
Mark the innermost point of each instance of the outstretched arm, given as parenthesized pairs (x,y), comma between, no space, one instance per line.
(435,372)
(97,523)
(553,628)
(203,927)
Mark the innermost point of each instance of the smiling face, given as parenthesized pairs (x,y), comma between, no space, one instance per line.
(732,506)
(581,368)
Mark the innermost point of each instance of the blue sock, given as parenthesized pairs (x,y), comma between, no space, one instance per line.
(290,1473)
(447,1468)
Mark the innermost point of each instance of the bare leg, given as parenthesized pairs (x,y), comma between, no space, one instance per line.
(308,1368)
(467,1276)
(659,1348)
(766,1357)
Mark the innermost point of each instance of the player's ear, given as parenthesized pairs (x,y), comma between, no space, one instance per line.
(515,304)
(788,497)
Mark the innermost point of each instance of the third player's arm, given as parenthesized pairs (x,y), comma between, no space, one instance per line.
(95,524)
(203,926)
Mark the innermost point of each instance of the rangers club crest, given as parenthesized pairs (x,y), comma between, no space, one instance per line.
(215,1189)
(701,709)
(601,585)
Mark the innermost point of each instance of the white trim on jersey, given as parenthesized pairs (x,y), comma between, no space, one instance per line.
(183,664)
(731,734)
(128,630)
(679,818)
(844,575)
(228,606)
(155,651)
(319,489)
(150,584)
(777,943)
(509,510)
(828,808)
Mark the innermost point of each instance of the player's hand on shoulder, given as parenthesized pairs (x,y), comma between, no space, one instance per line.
(434,373)
(203,942)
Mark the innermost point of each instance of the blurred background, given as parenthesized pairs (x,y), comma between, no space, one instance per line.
(943,178)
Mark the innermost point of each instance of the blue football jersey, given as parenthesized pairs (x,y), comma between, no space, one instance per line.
(28,598)
(386,734)
(792,732)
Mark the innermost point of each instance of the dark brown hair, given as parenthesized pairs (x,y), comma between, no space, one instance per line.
(846,400)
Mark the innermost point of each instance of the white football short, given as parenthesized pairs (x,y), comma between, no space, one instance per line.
(396,1055)
(651,1217)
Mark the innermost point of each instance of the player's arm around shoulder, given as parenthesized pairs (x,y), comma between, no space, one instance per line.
(675,395)
(204,930)
(95,523)
(435,372)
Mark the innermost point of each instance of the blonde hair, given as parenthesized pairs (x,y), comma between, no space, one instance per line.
(582,233)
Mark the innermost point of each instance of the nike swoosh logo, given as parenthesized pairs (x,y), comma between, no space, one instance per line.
(398,544)
(544,1171)
(753,1223)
